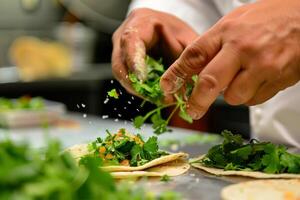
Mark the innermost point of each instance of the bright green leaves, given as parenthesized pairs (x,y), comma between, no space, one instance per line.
(33,174)
(234,154)
(121,146)
(151,146)
(22,103)
(113,93)
(271,159)
(159,124)
(150,88)
(138,121)
(151,91)
(143,154)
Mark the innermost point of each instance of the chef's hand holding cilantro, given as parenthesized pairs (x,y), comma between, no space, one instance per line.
(150,90)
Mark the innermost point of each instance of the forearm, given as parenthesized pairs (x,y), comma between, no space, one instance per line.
(199,14)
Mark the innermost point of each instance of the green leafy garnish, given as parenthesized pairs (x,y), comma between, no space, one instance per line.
(150,90)
(22,103)
(113,93)
(235,154)
(165,178)
(126,149)
(48,174)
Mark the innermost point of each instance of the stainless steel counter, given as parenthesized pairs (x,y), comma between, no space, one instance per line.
(193,185)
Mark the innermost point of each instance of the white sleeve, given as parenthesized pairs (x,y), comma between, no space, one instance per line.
(278,119)
(199,14)
(226,6)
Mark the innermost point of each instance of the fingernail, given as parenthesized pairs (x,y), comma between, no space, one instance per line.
(172,87)
(195,114)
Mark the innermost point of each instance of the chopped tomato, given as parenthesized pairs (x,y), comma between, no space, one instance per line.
(109,156)
(125,162)
(102,150)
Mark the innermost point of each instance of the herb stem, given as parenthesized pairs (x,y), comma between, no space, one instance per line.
(173,112)
(157,109)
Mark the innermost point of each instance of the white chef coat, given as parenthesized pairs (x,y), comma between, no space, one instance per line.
(276,120)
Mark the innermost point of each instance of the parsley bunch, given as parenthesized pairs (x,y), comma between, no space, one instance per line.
(30,174)
(234,154)
(126,149)
(151,91)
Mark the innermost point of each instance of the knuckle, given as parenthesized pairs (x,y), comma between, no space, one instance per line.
(229,25)
(270,67)
(136,12)
(179,70)
(242,45)
(209,82)
(193,59)
(197,105)
(233,98)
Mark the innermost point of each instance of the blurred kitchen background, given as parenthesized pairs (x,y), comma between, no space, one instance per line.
(61,50)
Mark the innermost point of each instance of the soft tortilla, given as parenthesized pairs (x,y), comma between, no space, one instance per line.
(173,168)
(252,174)
(152,163)
(263,189)
(171,165)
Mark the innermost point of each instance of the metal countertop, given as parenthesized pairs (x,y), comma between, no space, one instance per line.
(193,185)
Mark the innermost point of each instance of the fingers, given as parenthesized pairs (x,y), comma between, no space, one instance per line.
(120,70)
(244,86)
(192,61)
(271,88)
(215,77)
(133,49)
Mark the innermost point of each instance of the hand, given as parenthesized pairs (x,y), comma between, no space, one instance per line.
(145,30)
(250,55)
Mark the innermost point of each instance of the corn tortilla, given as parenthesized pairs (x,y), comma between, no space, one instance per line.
(171,165)
(263,190)
(252,174)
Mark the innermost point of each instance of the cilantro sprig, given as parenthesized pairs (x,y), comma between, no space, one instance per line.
(123,148)
(150,90)
(234,154)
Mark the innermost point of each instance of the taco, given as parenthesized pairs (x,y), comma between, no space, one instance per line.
(255,159)
(128,155)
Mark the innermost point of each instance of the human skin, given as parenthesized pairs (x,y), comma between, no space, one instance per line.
(147,30)
(249,55)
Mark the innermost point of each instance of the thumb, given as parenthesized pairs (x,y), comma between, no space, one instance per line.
(193,59)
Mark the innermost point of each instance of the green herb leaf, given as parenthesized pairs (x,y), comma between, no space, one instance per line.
(165,178)
(113,93)
(138,121)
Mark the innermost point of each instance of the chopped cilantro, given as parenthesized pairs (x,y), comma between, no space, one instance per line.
(124,148)
(113,93)
(165,178)
(235,154)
